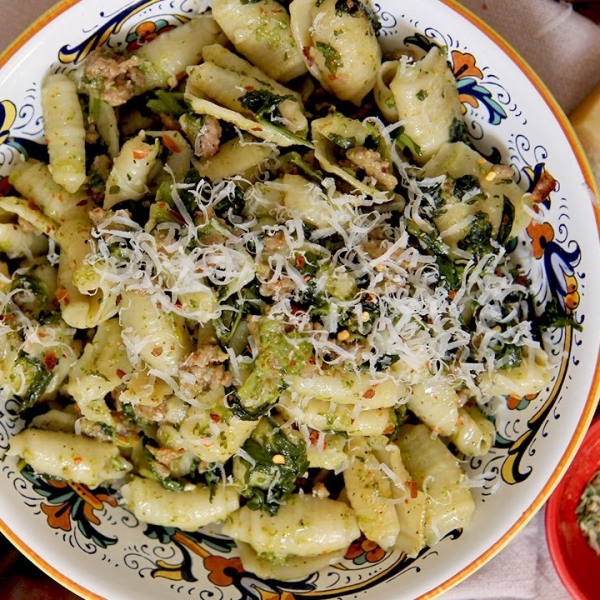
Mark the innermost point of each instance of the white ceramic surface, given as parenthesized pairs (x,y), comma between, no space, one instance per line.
(100,551)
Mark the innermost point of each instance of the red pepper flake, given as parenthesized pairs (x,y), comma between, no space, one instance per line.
(157,351)
(62,295)
(300,261)
(413,488)
(170,144)
(121,373)
(370,393)
(308,56)
(215,418)
(521,280)
(77,460)
(140,153)
(50,360)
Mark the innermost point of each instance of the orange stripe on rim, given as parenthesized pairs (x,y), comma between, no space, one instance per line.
(593,395)
(39,24)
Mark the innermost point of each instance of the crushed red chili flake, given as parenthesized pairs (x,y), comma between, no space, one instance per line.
(170,144)
(50,360)
(62,295)
(413,488)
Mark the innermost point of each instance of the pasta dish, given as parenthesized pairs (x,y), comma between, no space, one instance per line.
(264,279)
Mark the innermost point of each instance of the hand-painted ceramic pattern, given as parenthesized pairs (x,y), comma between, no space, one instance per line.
(89,543)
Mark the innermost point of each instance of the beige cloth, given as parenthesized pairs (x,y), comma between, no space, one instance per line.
(564,48)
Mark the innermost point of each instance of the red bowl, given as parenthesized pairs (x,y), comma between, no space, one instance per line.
(576,563)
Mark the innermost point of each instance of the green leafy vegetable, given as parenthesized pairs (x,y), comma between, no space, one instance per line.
(468,189)
(277,356)
(404,141)
(263,103)
(278,461)
(508,218)
(343,142)
(433,243)
(554,315)
(169,103)
(333,59)
(458,132)
(478,239)
(38,378)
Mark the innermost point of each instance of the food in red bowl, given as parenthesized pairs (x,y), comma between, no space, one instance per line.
(575,561)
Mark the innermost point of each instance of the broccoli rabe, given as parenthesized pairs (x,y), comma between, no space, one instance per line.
(279,354)
(278,460)
(38,379)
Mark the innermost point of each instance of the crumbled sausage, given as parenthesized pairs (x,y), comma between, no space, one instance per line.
(543,188)
(119,75)
(204,370)
(374,165)
(208,138)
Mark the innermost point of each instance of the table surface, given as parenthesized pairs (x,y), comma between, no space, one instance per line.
(19,578)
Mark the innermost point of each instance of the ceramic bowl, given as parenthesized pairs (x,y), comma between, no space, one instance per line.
(575,561)
(99,550)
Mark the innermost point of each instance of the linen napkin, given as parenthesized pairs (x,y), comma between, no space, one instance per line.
(561,45)
(564,48)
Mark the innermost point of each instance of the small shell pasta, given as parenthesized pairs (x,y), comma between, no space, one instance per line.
(293,568)
(69,456)
(531,376)
(98,371)
(33,181)
(162,338)
(23,209)
(426,99)
(17,243)
(327,526)
(64,131)
(474,434)
(235,157)
(370,494)
(436,470)
(214,440)
(436,403)
(87,308)
(328,416)
(167,56)
(456,160)
(261,32)
(339,46)
(150,502)
(348,388)
(131,169)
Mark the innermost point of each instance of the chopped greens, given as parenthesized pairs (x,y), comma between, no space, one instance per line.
(267,477)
